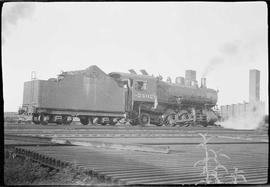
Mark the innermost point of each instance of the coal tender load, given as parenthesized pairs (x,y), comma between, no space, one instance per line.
(126,98)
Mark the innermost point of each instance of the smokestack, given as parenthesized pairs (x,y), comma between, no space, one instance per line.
(203,82)
(254,85)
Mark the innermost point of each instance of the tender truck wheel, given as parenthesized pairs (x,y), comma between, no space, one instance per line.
(84,120)
(67,120)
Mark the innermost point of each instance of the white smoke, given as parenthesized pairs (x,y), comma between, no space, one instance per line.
(12,13)
(229,49)
(243,122)
(248,120)
(235,52)
(212,65)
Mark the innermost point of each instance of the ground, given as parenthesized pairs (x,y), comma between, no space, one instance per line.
(21,171)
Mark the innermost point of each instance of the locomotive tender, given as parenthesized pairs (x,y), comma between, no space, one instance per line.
(99,98)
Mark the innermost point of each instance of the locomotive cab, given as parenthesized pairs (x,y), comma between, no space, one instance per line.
(140,95)
(143,87)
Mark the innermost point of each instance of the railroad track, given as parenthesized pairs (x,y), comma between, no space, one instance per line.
(144,140)
(79,128)
(124,127)
(247,149)
(126,167)
(138,132)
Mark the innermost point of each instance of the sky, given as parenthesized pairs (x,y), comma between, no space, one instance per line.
(221,41)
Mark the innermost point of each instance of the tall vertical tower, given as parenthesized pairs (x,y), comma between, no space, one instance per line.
(254,85)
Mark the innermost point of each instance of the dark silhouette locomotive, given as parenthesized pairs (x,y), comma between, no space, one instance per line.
(99,98)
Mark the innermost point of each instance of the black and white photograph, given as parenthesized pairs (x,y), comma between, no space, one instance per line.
(135,93)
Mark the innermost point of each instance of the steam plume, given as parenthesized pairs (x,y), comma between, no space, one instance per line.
(213,63)
(248,120)
(229,49)
(12,13)
(236,51)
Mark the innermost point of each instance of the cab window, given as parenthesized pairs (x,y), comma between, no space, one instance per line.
(140,85)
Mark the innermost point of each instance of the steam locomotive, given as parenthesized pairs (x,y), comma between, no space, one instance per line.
(138,99)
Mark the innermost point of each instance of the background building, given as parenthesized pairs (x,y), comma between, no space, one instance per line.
(254,105)
(254,85)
